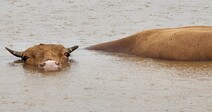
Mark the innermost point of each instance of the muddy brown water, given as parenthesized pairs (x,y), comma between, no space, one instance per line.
(100,81)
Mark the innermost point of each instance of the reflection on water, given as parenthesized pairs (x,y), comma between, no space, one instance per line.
(100,81)
(184,68)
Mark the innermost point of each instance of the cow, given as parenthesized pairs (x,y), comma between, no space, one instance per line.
(191,43)
(45,57)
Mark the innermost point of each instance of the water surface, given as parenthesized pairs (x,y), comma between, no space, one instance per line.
(100,81)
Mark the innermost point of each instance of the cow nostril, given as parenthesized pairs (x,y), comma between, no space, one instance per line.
(57,63)
(42,64)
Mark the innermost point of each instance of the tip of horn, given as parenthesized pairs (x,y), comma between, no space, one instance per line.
(71,49)
(75,47)
(15,53)
(8,49)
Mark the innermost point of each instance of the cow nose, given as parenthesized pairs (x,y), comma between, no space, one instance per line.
(50,65)
(57,63)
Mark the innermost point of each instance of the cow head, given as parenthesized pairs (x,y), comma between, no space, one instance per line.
(46,57)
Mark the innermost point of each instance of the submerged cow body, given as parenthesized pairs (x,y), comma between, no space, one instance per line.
(185,43)
(46,57)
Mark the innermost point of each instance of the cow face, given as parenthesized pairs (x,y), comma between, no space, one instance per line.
(46,57)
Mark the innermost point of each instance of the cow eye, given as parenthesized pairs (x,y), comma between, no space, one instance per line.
(24,58)
(66,54)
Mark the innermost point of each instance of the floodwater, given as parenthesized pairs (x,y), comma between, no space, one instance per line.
(100,81)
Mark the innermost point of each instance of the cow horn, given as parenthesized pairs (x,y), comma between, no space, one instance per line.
(15,53)
(71,49)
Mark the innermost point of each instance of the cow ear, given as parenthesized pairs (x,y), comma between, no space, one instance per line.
(71,49)
(15,53)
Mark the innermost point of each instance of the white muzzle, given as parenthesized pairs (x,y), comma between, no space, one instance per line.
(50,65)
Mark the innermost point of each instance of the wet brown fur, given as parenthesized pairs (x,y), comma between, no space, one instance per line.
(43,52)
(185,43)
